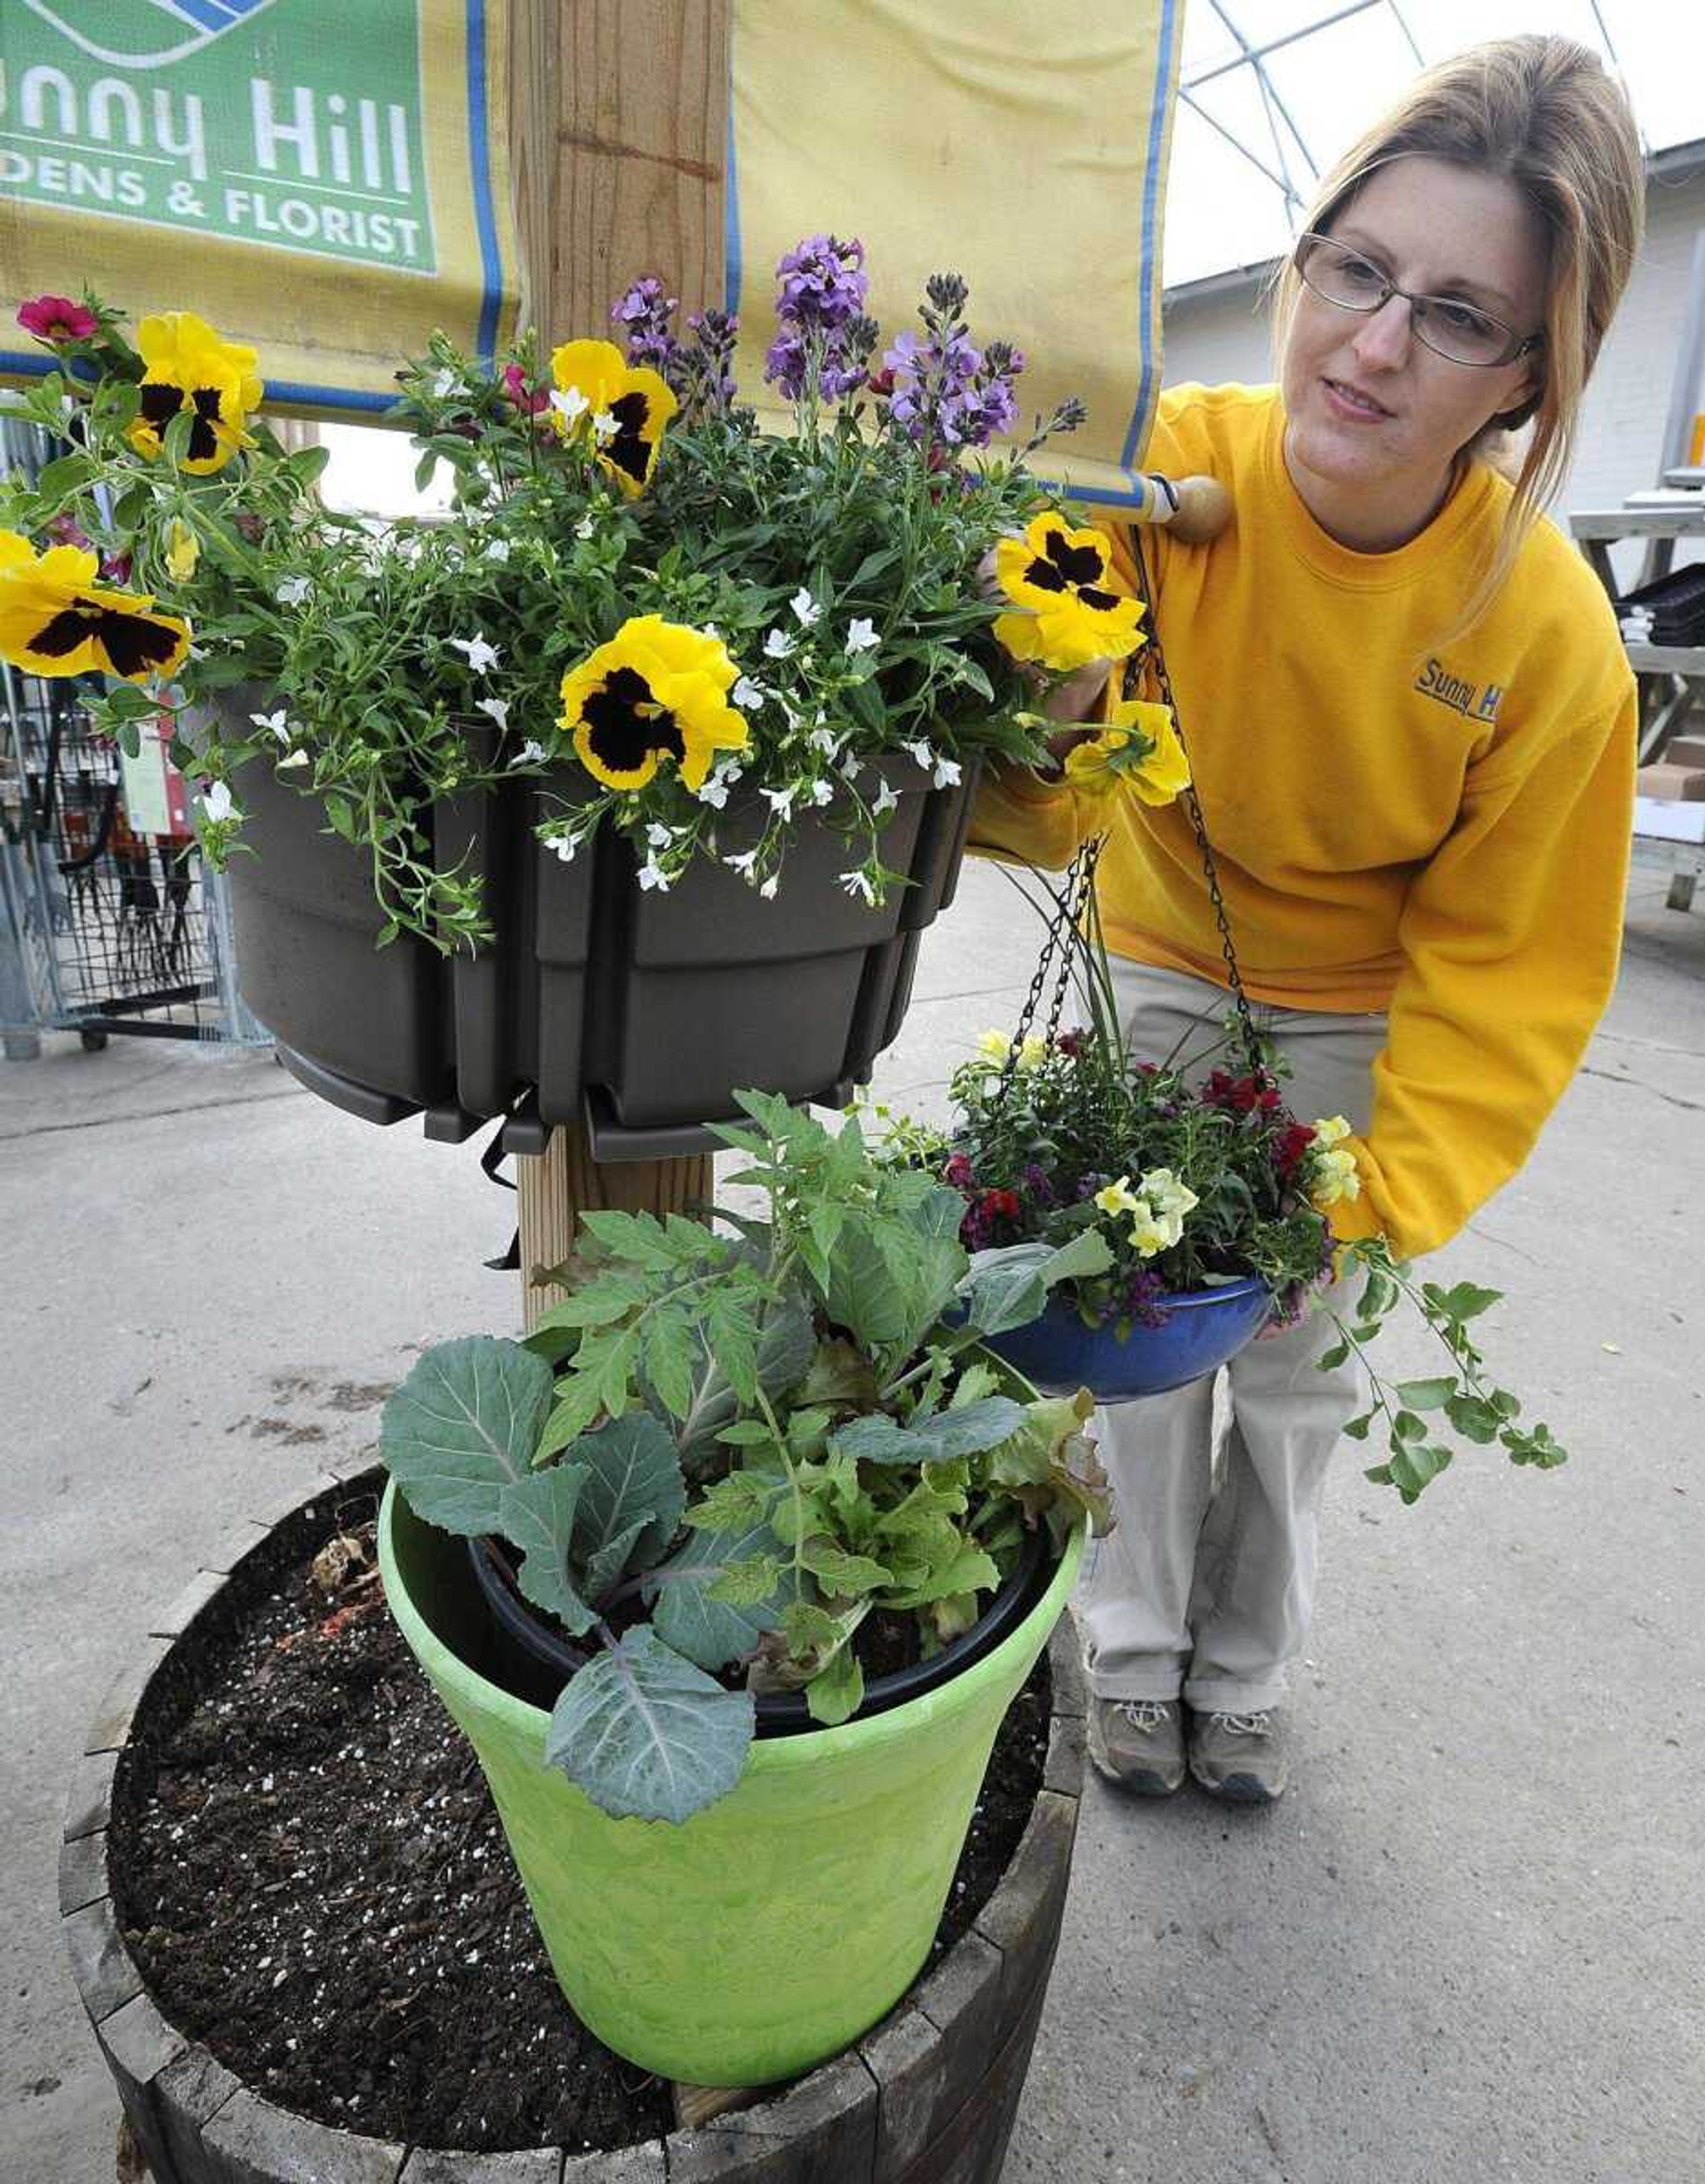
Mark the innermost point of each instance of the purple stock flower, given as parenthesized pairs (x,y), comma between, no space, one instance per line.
(948,391)
(1036,1183)
(823,282)
(822,324)
(711,361)
(645,312)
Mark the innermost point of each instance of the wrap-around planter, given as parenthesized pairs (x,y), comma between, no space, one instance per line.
(927,2097)
(646,1008)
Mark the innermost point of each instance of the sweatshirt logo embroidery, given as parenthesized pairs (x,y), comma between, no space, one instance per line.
(1470,700)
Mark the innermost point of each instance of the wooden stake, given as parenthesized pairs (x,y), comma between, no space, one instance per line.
(619,127)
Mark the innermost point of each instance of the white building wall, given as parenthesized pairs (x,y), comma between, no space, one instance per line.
(1219,337)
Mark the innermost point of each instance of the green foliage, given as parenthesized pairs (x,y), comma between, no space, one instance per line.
(1475,1407)
(753,1449)
(359,634)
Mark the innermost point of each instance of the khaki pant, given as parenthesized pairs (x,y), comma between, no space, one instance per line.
(1206,1587)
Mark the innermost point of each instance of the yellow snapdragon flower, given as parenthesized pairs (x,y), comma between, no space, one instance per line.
(1117,1197)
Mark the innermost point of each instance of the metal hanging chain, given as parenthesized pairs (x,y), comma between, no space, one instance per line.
(1071,906)
(1154,649)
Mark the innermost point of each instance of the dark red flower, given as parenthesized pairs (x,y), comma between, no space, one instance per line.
(1242,1096)
(58,319)
(1001,1205)
(1290,1147)
(959,1173)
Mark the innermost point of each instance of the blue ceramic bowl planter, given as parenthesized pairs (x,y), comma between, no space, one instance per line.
(1202,1328)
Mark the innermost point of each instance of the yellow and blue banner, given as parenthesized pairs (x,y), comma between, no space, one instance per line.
(1022,146)
(323,179)
(327,180)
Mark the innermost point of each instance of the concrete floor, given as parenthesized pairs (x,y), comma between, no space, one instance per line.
(1465,1947)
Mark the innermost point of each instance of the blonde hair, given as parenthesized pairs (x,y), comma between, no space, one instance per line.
(1543,112)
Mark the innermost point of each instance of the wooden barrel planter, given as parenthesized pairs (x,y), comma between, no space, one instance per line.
(928,2096)
(638,1013)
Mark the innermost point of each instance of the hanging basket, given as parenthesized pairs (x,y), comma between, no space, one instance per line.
(1202,1329)
(639,1011)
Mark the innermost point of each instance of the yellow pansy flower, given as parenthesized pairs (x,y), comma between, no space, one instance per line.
(1332,1131)
(657,690)
(186,366)
(183,550)
(1138,750)
(994,1043)
(1068,612)
(1033,1051)
(56,619)
(622,409)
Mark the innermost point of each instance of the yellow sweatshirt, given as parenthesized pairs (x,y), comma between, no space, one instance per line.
(1440,831)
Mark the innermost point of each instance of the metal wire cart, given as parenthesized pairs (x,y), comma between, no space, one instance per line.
(109,921)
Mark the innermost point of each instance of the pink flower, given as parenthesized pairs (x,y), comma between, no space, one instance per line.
(531,399)
(58,319)
(64,531)
(116,568)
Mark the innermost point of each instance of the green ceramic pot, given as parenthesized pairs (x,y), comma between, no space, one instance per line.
(773,1928)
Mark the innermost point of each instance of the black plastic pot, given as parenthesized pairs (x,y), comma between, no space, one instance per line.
(638,1013)
(530,1656)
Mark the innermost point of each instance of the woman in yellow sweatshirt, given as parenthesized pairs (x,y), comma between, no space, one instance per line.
(1412,726)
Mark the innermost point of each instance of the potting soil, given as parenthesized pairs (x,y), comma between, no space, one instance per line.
(311,1873)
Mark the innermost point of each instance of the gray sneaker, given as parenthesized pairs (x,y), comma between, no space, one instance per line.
(1240,1757)
(1138,1744)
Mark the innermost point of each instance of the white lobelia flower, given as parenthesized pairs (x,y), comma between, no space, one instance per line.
(585,527)
(659,836)
(768,889)
(743,863)
(777,644)
(947,773)
(497,551)
(857,883)
(824,740)
(652,875)
(823,792)
(605,425)
(275,724)
(446,382)
(217,801)
(498,708)
(293,591)
(781,801)
(887,797)
(565,845)
(923,752)
(861,635)
(529,754)
(569,403)
(480,655)
(296,758)
(714,791)
(747,694)
(804,606)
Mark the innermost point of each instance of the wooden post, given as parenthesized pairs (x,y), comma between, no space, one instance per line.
(619,114)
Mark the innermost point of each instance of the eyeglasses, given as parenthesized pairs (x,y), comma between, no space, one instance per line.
(1451,328)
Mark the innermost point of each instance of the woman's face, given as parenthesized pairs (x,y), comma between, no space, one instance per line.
(1373,418)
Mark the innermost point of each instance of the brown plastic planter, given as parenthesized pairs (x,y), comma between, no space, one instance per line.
(643,1011)
(928,2098)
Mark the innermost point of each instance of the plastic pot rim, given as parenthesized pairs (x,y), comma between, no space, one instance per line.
(767,1755)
